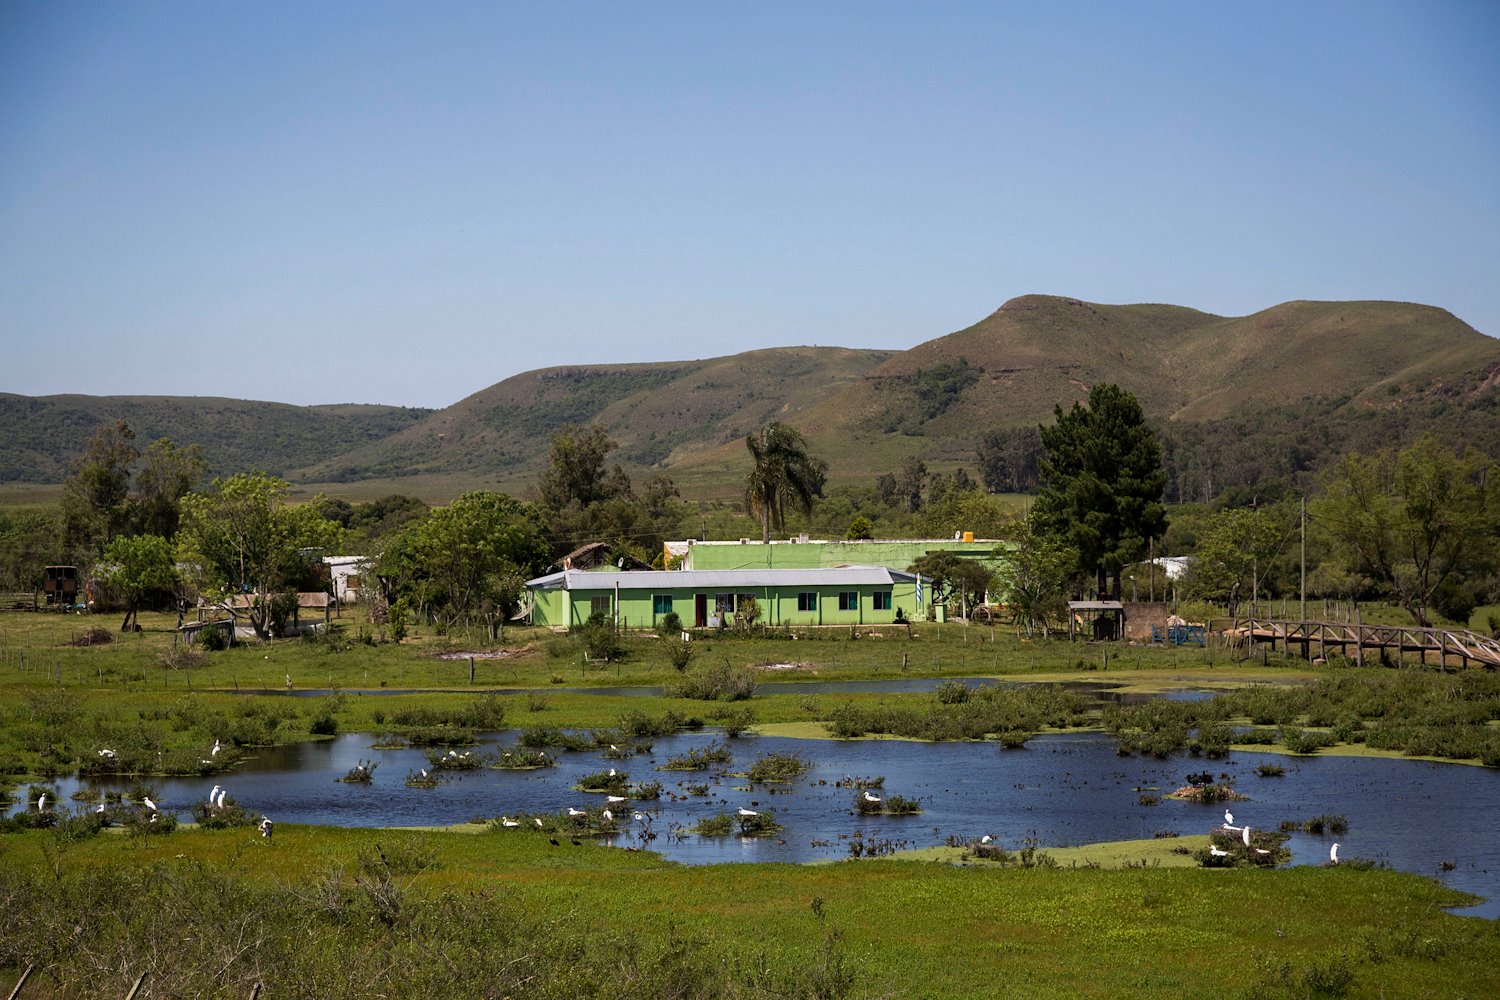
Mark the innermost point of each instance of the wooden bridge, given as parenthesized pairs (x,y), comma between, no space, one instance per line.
(1463,645)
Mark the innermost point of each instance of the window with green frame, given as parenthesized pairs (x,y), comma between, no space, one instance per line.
(661,604)
(882,600)
(848,600)
(807,601)
(599,604)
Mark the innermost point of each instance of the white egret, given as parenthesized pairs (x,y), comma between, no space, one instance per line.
(1262,851)
(146,800)
(613,747)
(986,839)
(609,817)
(577,812)
(611,772)
(1218,853)
(613,799)
(871,798)
(507,821)
(747,812)
(107,754)
(1246,835)
(41,802)
(424,773)
(220,801)
(215,751)
(1228,818)
(538,821)
(640,817)
(213,795)
(1333,854)
(100,810)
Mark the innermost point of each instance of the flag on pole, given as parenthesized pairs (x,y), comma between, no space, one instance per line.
(919,590)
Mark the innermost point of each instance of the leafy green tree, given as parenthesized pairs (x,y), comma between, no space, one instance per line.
(1034,575)
(576,476)
(1236,552)
(29,541)
(96,492)
(860,529)
(783,474)
(954,577)
(468,561)
(167,474)
(911,484)
(136,565)
(1101,484)
(1416,522)
(1008,460)
(243,537)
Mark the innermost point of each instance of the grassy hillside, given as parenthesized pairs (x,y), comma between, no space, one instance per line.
(1353,374)
(660,414)
(1238,399)
(42,434)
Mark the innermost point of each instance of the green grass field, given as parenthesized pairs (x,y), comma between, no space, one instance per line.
(481,912)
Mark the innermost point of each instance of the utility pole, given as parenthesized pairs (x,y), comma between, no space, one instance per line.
(1304,557)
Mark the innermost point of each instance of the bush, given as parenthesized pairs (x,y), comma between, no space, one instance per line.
(213,640)
(777,767)
(670,625)
(680,653)
(718,683)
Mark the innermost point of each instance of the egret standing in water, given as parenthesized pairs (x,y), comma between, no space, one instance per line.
(1333,854)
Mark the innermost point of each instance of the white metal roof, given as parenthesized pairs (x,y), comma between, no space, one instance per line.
(709,579)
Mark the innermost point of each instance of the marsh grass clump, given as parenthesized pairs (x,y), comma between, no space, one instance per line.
(721,682)
(611,781)
(551,736)
(1301,741)
(646,791)
(1267,849)
(225,817)
(868,804)
(1321,824)
(439,736)
(718,825)
(454,760)
(519,758)
(734,721)
(1267,769)
(362,773)
(759,825)
(1206,794)
(638,725)
(774,767)
(987,711)
(699,758)
(953,693)
(424,779)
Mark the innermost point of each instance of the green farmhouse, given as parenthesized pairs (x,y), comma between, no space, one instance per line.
(847,595)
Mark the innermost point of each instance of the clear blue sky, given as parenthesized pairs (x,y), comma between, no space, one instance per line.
(404,203)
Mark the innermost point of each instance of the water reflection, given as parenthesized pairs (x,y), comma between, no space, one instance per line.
(1063,789)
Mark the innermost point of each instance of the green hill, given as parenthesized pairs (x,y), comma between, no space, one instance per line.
(661,415)
(43,434)
(1237,400)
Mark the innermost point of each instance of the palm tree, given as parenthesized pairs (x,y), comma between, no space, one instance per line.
(784,473)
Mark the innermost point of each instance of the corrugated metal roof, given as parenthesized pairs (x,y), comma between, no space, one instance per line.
(725,579)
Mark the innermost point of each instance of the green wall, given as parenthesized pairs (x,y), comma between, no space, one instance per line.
(893,554)
(778,605)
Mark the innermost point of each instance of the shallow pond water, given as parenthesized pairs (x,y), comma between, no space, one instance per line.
(1063,790)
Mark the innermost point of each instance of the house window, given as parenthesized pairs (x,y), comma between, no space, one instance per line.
(807,601)
(723,604)
(599,605)
(882,600)
(661,604)
(848,600)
